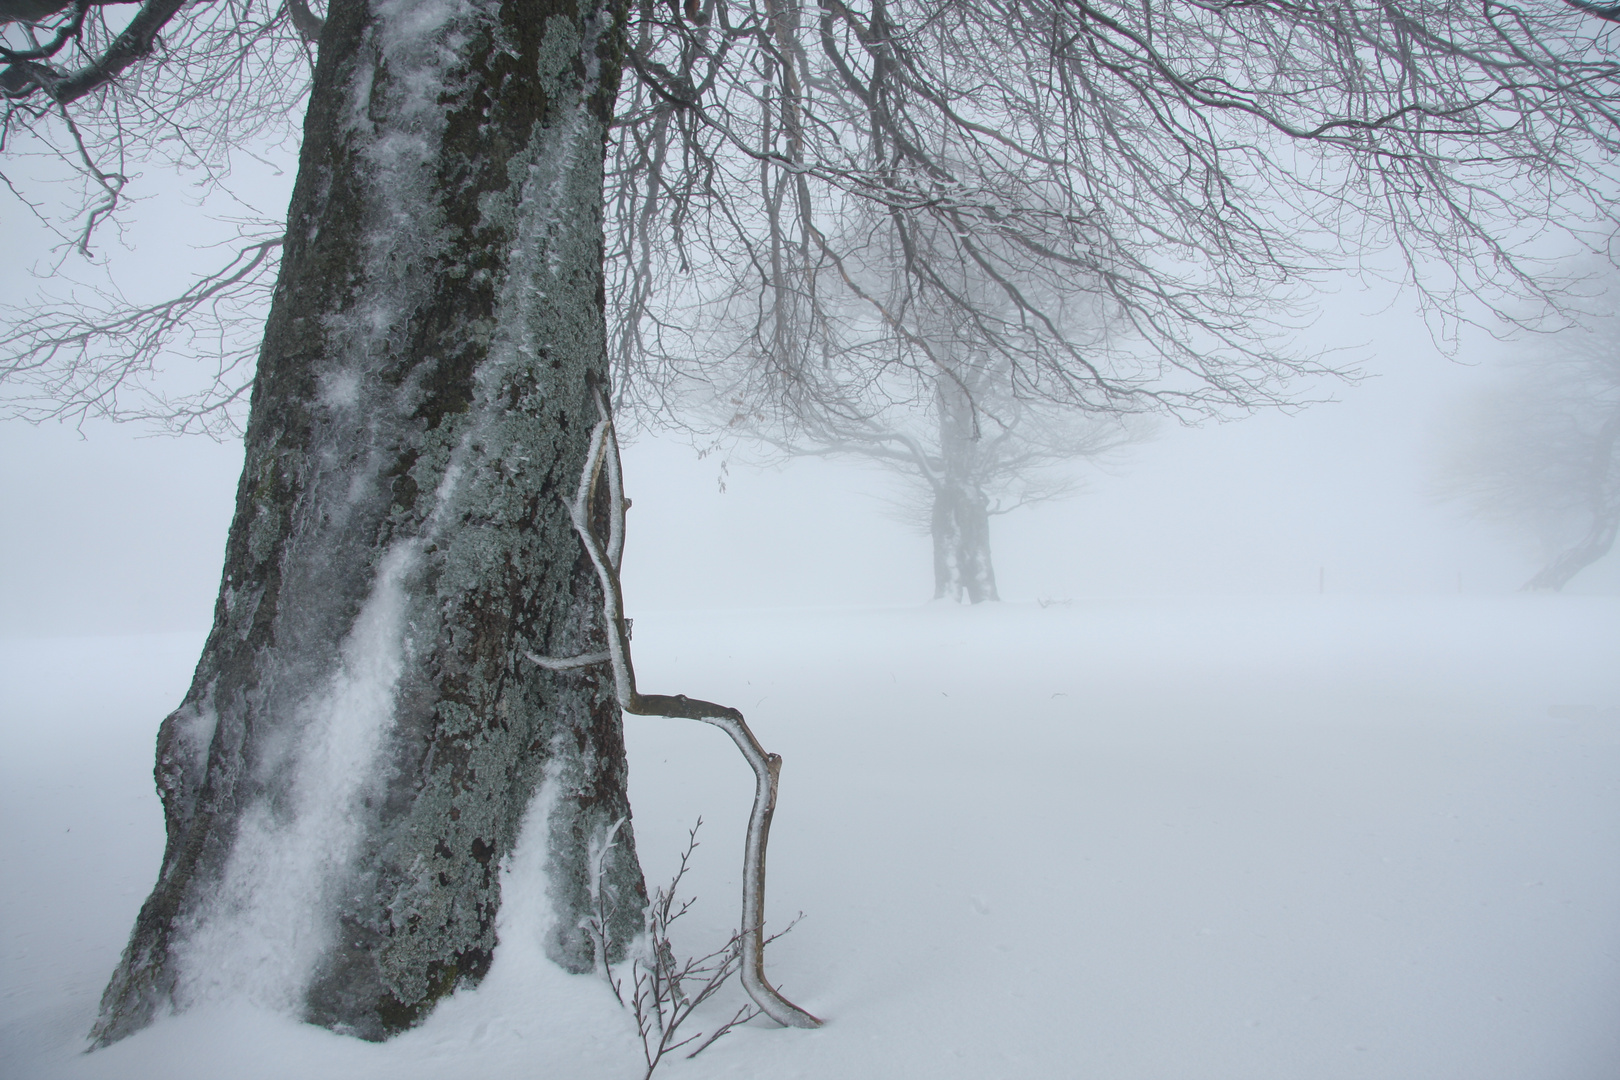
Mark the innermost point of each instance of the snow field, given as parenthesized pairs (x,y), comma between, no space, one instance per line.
(1291,838)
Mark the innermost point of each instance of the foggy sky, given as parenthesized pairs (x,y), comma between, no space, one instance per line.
(116,531)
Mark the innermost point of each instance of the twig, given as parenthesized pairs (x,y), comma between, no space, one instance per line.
(659,998)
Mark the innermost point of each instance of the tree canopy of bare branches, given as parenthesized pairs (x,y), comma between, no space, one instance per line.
(1186,167)
(102,100)
(108,86)
(1181,169)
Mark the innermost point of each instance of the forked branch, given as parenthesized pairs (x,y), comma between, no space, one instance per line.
(24,75)
(606,555)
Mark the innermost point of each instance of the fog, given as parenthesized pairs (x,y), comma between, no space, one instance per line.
(116,529)
(111,529)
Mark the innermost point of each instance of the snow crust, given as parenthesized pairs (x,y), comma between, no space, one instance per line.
(399,126)
(1144,840)
(269,926)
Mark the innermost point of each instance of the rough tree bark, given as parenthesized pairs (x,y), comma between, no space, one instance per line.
(363,739)
(960,521)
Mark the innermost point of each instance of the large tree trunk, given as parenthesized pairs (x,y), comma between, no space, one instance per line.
(362,740)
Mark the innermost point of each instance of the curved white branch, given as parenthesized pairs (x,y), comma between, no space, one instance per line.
(604,451)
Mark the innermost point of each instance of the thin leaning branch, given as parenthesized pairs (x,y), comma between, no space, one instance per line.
(606,556)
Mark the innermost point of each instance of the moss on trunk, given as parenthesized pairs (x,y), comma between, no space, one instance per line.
(362,741)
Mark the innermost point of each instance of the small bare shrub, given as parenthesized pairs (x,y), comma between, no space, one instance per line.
(661,991)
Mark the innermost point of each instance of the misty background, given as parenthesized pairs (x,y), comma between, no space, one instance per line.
(114,530)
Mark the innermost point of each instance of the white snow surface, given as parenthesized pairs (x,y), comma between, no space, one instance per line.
(1170,839)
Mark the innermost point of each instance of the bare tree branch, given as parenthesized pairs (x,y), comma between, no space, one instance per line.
(24,76)
(601,473)
(1611,12)
(89,355)
(161,89)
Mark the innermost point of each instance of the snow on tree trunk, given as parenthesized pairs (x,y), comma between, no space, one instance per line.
(363,738)
(960,522)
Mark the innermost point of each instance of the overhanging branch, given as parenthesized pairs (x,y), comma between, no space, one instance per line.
(1611,12)
(23,77)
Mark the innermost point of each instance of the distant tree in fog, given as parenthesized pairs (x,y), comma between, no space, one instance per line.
(1541,451)
(1024,221)
(967,451)
(946,411)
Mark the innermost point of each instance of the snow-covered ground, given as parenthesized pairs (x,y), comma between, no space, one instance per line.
(1296,838)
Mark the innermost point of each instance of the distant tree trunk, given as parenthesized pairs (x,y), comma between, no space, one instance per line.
(960,522)
(961,530)
(1603,499)
(362,739)
(1597,542)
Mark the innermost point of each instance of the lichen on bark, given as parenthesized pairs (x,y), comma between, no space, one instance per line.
(361,740)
